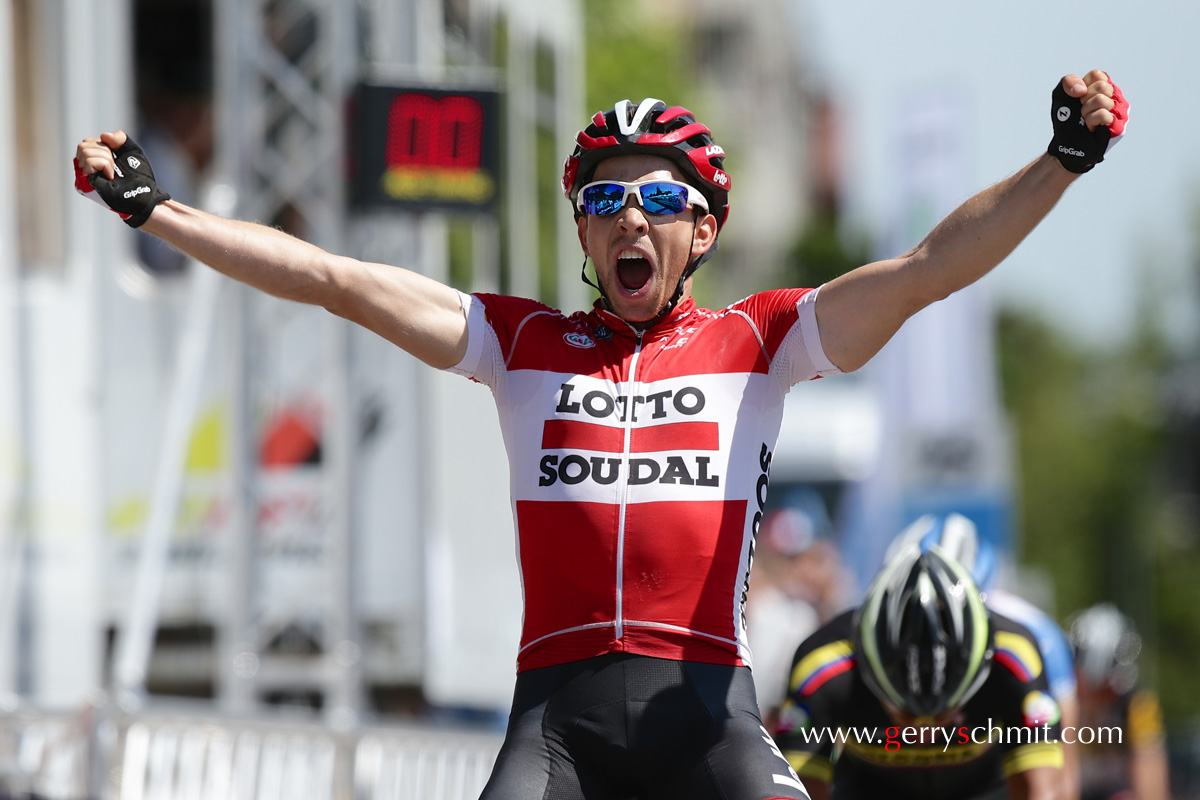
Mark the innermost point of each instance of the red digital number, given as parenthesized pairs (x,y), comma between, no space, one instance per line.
(430,132)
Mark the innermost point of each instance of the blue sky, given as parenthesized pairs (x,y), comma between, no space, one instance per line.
(1123,227)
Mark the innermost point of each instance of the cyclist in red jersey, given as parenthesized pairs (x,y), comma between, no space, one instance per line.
(640,433)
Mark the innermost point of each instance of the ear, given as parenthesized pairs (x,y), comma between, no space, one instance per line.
(704,236)
(581,230)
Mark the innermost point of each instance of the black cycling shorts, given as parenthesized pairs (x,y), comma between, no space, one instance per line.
(622,727)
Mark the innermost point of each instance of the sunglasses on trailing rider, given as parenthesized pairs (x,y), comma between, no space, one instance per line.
(656,197)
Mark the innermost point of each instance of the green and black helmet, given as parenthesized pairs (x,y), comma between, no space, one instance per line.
(922,635)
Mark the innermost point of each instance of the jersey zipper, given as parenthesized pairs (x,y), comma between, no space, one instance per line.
(625,470)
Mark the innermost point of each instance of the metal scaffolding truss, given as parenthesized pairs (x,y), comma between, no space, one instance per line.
(284,72)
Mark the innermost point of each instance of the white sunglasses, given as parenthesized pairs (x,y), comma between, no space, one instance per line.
(655,197)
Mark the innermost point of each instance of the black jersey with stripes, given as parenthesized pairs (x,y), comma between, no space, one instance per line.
(834,729)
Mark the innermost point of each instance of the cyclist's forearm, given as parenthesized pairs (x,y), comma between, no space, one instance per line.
(265,258)
(981,232)
(419,315)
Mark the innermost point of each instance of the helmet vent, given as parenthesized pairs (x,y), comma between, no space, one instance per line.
(939,669)
(629,124)
(914,669)
(924,633)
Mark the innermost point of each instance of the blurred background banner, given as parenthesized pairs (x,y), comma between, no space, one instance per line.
(945,443)
(12,449)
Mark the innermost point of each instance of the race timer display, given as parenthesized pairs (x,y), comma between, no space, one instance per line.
(425,149)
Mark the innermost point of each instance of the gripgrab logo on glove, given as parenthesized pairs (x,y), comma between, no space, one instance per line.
(132,193)
(1077,148)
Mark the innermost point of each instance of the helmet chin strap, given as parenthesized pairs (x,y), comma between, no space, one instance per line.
(583,275)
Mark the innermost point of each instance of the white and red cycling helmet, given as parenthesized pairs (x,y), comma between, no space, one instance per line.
(651,128)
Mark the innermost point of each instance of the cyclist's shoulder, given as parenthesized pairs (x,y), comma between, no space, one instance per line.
(768,301)
(1017,684)
(1017,609)
(824,663)
(1014,630)
(514,306)
(1051,640)
(533,321)
(1015,646)
(839,630)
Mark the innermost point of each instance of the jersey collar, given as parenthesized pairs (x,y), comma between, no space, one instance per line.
(682,309)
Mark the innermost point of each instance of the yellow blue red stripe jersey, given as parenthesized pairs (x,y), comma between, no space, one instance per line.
(833,728)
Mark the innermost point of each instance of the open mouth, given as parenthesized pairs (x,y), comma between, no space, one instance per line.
(633,270)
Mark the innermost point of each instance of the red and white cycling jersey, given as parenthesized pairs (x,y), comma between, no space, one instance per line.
(638,465)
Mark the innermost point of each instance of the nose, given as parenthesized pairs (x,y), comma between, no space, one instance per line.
(632,217)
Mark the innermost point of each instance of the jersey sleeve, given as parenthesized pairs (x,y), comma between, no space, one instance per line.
(813,705)
(478,331)
(1051,641)
(494,323)
(785,321)
(1031,714)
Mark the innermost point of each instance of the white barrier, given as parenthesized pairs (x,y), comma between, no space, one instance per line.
(392,767)
(44,756)
(182,762)
(178,757)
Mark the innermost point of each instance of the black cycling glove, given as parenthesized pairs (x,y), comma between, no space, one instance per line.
(1073,144)
(133,194)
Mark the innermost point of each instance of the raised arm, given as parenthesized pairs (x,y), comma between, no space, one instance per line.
(858,312)
(410,310)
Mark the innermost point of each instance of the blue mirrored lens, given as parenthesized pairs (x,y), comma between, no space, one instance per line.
(603,199)
(656,198)
(664,198)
